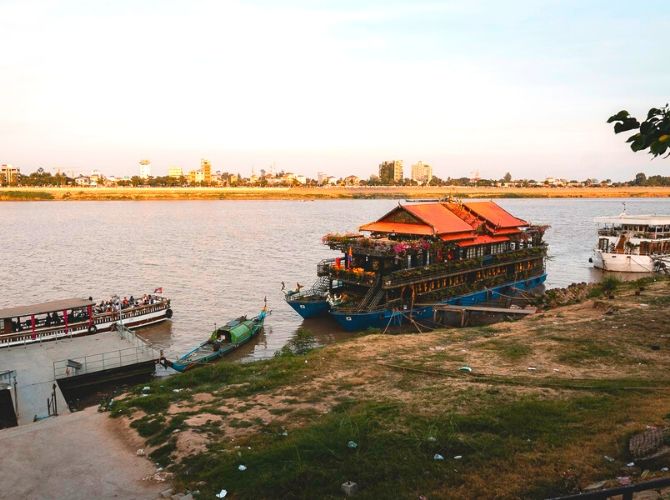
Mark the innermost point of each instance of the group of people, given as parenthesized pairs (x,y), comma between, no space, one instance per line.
(51,319)
(117,303)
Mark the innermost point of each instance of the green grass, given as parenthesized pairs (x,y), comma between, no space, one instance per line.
(395,448)
(586,350)
(510,350)
(25,195)
(230,379)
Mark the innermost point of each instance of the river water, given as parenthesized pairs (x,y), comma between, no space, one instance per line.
(218,259)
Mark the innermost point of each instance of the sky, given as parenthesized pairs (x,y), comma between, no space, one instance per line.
(521,86)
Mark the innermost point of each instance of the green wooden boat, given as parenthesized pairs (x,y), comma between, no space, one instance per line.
(223,340)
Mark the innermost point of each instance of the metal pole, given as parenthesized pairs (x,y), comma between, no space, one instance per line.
(16,399)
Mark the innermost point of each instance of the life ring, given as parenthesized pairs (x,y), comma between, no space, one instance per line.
(92,329)
(168,313)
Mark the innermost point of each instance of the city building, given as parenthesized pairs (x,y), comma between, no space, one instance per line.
(145,169)
(206,168)
(9,175)
(422,173)
(390,172)
(321,177)
(175,172)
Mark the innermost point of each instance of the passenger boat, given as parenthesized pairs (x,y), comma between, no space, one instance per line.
(77,316)
(223,340)
(633,243)
(420,255)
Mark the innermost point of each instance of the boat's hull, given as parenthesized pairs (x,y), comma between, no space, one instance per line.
(309,308)
(623,263)
(384,318)
(182,364)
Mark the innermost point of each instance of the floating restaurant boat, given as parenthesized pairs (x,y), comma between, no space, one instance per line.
(420,255)
(633,243)
(73,317)
(223,340)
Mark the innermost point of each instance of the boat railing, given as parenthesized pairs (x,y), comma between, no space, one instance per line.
(648,235)
(437,271)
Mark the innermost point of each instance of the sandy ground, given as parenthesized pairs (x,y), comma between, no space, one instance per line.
(76,456)
(71,193)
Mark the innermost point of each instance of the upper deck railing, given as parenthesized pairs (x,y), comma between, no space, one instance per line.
(43,333)
(650,235)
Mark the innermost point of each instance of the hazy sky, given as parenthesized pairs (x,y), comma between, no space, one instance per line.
(339,86)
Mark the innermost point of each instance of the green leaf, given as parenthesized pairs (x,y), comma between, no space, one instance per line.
(621,115)
(652,112)
(634,137)
(647,128)
(626,125)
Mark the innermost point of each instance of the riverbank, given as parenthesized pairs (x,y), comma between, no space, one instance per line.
(323,193)
(547,409)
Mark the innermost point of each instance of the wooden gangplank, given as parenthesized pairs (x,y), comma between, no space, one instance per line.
(466,311)
(498,310)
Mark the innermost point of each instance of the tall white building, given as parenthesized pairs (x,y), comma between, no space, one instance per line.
(422,173)
(145,169)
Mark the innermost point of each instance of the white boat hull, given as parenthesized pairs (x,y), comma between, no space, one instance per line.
(623,263)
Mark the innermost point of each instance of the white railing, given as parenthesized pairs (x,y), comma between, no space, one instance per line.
(140,352)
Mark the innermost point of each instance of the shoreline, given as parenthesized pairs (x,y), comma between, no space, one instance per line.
(323,193)
(541,396)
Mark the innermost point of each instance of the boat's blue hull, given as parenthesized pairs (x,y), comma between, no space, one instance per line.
(309,309)
(385,317)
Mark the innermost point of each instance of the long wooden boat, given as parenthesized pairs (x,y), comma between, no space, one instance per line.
(222,341)
(423,254)
(77,316)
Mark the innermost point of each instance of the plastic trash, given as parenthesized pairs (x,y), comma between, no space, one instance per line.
(221,494)
(465,369)
(284,433)
(664,469)
(352,444)
(437,456)
(630,464)
(458,457)
(177,390)
(242,468)
(532,369)
(140,452)
(146,388)
(432,439)
(608,458)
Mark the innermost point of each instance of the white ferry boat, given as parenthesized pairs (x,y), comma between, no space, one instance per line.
(77,316)
(633,243)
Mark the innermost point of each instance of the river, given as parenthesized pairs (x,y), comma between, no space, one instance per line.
(218,259)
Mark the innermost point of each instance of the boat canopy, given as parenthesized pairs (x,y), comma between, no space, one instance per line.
(240,332)
(635,220)
(45,307)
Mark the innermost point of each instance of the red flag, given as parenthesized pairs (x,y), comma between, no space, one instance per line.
(158,290)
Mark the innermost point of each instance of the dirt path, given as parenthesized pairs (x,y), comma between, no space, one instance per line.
(76,456)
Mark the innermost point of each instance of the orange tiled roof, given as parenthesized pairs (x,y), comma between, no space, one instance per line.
(458,236)
(440,217)
(397,227)
(494,214)
(483,239)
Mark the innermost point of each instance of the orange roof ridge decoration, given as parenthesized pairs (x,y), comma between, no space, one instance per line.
(495,214)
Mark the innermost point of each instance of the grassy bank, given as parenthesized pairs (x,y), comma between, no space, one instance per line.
(548,397)
(140,194)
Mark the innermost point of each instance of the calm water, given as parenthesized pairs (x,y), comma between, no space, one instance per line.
(218,259)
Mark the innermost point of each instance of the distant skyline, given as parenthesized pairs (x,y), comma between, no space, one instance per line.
(335,86)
